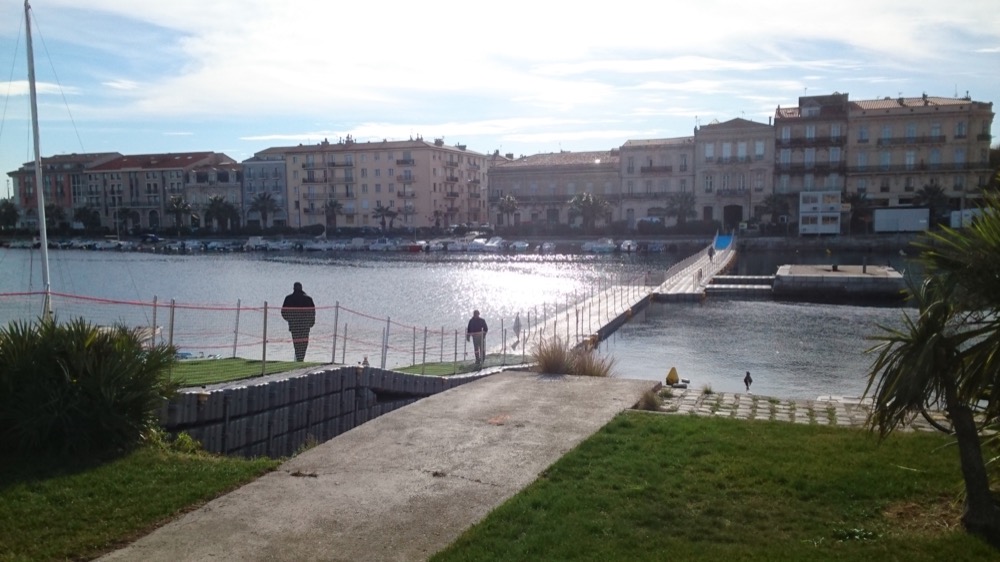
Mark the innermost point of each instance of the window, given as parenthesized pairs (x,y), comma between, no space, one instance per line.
(835,155)
(835,131)
(758,149)
(935,158)
(786,133)
(911,132)
(885,159)
(810,132)
(631,165)
(960,131)
(862,160)
(727,151)
(785,156)
(911,159)
(886,132)
(709,152)
(378,188)
(741,151)
(959,156)
(863,134)
(862,185)
(810,156)
(708,183)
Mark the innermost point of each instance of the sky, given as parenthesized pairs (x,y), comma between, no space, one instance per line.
(239,76)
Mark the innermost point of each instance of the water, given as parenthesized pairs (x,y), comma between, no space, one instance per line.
(792,350)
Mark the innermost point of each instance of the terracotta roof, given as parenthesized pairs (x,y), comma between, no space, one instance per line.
(565,158)
(658,142)
(894,103)
(156,161)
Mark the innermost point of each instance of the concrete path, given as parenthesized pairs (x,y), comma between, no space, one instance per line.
(404,485)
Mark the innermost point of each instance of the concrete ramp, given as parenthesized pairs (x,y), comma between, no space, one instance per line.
(404,485)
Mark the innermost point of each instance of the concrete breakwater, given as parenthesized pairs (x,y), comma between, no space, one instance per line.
(276,416)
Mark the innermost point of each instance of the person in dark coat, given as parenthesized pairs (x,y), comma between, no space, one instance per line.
(476,331)
(300,313)
(748,380)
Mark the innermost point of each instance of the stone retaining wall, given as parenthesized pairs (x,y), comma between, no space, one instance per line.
(276,417)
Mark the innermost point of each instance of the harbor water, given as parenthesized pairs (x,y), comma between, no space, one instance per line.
(793,350)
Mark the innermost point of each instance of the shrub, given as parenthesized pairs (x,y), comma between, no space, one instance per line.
(589,364)
(650,401)
(552,356)
(707,390)
(78,389)
(556,358)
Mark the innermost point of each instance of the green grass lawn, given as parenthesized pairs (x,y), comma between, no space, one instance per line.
(645,487)
(55,511)
(199,372)
(649,487)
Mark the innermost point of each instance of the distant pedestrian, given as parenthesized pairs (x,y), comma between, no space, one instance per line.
(300,313)
(748,380)
(476,331)
(711,253)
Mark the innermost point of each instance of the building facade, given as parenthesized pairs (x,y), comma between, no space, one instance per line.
(652,173)
(544,185)
(734,166)
(134,192)
(410,183)
(64,181)
(264,177)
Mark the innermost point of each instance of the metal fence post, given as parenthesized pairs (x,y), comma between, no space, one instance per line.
(343,351)
(263,354)
(336,319)
(236,329)
(456,354)
(152,341)
(423,363)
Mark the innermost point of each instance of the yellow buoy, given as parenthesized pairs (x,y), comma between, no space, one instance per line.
(672,377)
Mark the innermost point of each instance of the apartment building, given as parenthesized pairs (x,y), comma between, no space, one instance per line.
(544,184)
(652,171)
(900,145)
(420,183)
(886,149)
(64,181)
(264,176)
(734,168)
(133,191)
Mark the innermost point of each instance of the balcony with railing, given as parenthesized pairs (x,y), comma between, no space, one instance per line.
(655,169)
(921,139)
(919,167)
(474,181)
(474,167)
(794,142)
(332,164)
(984,137)
(451,179)
(451,195)
(313,165)
(475,195)
(450,164)
(406,194)
(315,180)
(731,193)
(811,168)
(406,178)
(405,162)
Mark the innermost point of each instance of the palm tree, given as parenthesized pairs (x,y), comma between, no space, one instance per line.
(55,216)
(122,216)
(88,216)
(218,212)
(949,355)
(391,214)
(8,214)
(507,205)
(264,204)
(775,205)
(331,209)
(682,206)
(179,208)
(437,215)
(589,207)
(861,211)
(381,213)
(933,197)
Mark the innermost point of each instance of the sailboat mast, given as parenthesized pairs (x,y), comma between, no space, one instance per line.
(39,186)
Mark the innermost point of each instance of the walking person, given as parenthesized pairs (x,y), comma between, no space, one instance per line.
(300,313)
(748,380)
(476,331)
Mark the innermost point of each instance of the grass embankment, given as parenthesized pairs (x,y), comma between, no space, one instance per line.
(56,511)
(200,372)
(650,487)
